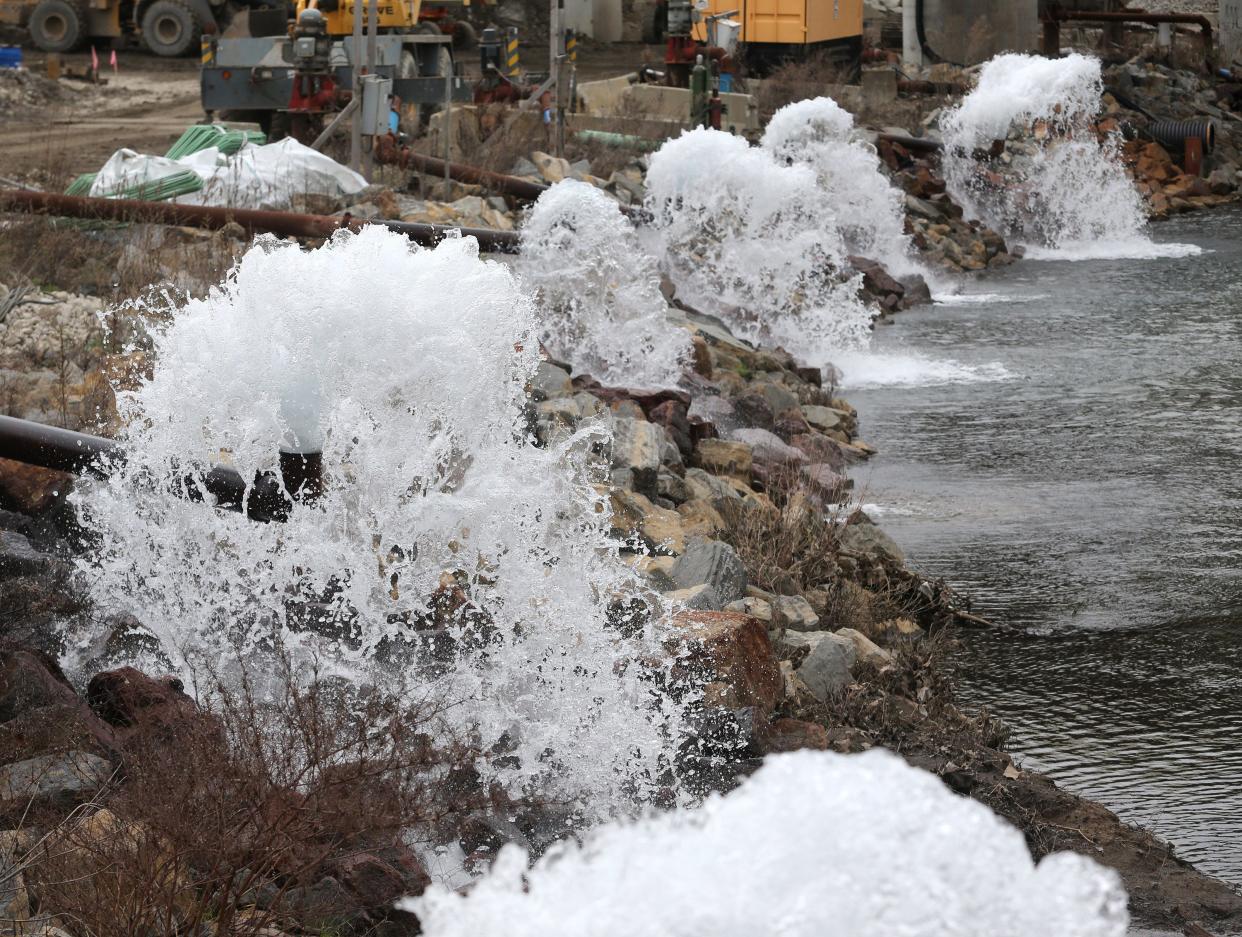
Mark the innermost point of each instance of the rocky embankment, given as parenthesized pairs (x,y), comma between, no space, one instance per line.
(730,496)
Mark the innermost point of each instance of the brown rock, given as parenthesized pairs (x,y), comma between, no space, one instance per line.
(672,415)
(147,710)
(61,727)
(721,457)
(30,489)
(791,735)
(732,649)
(30,680)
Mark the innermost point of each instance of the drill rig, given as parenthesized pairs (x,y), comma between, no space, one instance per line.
(295,84)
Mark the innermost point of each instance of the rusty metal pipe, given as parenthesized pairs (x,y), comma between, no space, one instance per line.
(388,152)
(82,454)
(252,221)
(1125,16)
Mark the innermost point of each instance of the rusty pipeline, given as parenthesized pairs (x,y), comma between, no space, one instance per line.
(264,500)
(252,221)
(913,86)
(387,151)
(914,144)
(1053,19)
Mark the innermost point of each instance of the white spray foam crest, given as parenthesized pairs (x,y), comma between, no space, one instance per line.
(867,208)
(754,241)
(598,291)
(407,366)
(814,843)
(1060,188)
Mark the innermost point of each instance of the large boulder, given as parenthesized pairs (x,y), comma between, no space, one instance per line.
(29,489)
(145,711)
(863,538)
(59,781)
(828,670)
(729,654)
(656,529)
(720,457)
(712,563)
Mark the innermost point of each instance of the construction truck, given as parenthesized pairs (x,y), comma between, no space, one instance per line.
(166,27)
(174,27)
(297,83)
(760,33)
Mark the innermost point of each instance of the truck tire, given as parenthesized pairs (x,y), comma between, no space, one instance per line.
(170,28)
(59,25)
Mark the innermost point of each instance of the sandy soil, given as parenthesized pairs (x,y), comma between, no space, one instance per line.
(144,106)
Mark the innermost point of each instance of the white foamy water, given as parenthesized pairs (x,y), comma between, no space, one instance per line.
(598,291)
(754,240)
(815,843)
(1058,187)
(985,299)
(1113,250)
(868,211)
(866,369)
(407,367)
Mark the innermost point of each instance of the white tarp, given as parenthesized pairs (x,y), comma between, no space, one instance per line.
(268,176)
(126,168)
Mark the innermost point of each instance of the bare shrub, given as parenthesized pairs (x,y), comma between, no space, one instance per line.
(270,812)
(793,543)
(798,80)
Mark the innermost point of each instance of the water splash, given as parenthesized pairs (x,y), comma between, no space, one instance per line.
(814,843)
(868,210)
(598,292)
(867,369)
(1057,187)
(445,541)
(755,241)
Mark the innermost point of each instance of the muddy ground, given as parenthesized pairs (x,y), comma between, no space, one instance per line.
(149,101)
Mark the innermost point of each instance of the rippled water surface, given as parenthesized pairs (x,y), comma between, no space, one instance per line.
(1079,473)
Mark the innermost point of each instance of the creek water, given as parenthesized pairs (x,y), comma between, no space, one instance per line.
(1062,443)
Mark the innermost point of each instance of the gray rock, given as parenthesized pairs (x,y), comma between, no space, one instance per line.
(923,208)
(19,557)
(827,669)
(672,486)
(323,906)
(714,563)
(865,539)
(778,398)
(701,597)
(755,608)
(60,780)
(794,613)
(768,448)
(705,485)
(549,382)
(636,444)
(824,418)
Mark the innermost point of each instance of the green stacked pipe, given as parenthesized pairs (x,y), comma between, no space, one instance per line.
(82,184)
(203,136)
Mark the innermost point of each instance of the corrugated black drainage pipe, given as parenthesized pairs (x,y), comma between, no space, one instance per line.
(1173,133)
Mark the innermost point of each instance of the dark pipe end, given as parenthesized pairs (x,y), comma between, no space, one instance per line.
(302,473)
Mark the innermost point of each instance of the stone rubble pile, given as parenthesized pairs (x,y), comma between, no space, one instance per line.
(1141,90)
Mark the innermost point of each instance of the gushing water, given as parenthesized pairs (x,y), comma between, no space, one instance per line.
(867,209)
(815,843)
(1058,187)
(755,241)
(444,542)
(598,291)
